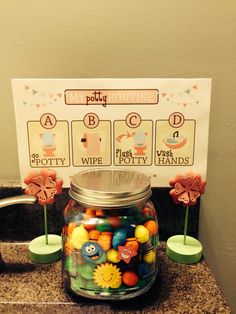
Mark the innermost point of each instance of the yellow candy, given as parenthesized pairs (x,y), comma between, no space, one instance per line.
(79,237)
(141,233)
(150,257)
(112,256)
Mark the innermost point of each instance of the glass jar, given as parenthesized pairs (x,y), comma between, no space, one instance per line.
(110,235)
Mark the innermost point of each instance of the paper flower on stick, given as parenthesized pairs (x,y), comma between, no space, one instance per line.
(187,188)
(43,185)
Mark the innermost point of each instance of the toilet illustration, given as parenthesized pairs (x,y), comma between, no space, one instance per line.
(140,143)
(48,144)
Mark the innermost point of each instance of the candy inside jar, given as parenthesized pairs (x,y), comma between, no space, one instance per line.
(110,235)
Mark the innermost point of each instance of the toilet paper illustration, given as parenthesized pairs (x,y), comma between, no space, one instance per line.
(48,144)
(91,143)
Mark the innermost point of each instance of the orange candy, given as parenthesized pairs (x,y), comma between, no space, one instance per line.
(88,225)
(133,243)
(70,228)
(151,226)
(130,278)
(114,221)
(68,247)
(100,213)
(94,235)
(89,213)
(104,240)
(89,220)
(146,210)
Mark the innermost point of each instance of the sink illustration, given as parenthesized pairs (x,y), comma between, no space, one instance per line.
(175,142)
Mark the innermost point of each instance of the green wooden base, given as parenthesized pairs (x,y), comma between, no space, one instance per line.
(188,253)
(43,253)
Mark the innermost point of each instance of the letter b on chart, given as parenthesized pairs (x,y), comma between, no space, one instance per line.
(91,139)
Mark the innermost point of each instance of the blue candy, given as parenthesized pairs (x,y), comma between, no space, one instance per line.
(119,238)
(143,269)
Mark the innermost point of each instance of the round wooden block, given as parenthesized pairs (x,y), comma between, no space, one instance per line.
(188,253)
(43,253)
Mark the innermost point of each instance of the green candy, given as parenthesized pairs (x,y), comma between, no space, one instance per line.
(127,221)
(67,264)
(142,283)
(103,226)
(70,266)
(122,289)
(78,283)
(155,240)
(91,285)
(86,271)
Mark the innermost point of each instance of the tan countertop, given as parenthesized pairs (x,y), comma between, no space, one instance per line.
(30,288)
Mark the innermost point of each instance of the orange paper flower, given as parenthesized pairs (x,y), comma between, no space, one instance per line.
(43,185)
(187,188)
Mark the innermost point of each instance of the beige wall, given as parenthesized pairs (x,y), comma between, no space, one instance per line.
(134,38)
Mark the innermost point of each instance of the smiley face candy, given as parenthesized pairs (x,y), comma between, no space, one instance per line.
(126,253)
(91,251)
(107,276)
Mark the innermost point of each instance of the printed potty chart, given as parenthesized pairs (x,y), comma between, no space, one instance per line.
(155,126)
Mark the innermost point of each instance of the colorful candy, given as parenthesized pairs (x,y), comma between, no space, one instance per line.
(79,236)
(70,228)
(150,257)
(114,222)
(68,264)
(119,237)
(112,256)
(91,251)
(91,285)
(151,226)
(94,234)
(105,252)
(133,243)
(89,213)
(142,234)
(86,270)
(107,276)
(103,225)
(126,253)
(78,283)
(130,278)
(104,240)
(68,247)
(100,213)
(143,269)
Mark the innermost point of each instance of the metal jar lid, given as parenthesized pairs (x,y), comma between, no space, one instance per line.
(110,188)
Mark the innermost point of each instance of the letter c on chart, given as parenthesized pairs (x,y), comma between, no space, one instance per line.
(133,120)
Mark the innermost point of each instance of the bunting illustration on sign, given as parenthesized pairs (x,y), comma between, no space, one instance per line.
(41,98)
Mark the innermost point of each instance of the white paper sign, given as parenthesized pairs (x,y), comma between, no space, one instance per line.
(156,126)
